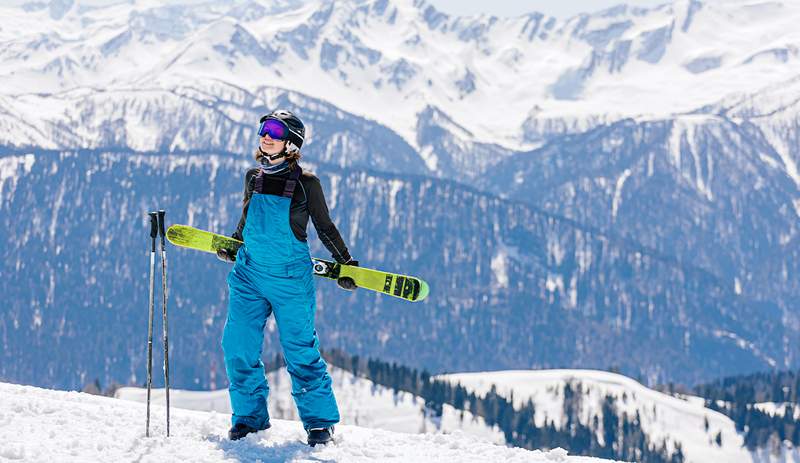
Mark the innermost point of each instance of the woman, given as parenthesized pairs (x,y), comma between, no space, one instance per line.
(272,273)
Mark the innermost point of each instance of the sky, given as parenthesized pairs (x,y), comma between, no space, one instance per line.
(558,8)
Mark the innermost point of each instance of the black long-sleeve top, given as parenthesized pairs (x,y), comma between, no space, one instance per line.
(307,200)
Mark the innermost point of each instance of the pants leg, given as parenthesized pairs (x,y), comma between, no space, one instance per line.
(294,303)
(242,342)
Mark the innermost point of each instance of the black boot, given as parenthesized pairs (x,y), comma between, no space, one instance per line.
(240,430)
(320,436)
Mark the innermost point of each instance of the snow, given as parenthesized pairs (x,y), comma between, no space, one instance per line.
(503,254)
(778,409)
(775,110)
(678,420)
(41,425)
(394,187)
(10,167)
(499,267)
(747,345)
(618,193)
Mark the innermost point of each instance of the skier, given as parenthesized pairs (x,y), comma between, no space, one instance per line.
(272,273)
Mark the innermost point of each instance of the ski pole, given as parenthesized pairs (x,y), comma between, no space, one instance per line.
(153,235)
(161,231)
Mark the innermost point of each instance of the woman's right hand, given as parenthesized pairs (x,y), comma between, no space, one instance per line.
(222,254)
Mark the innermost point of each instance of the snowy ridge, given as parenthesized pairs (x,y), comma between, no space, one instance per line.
(195,116)
(664,417)
(41,425)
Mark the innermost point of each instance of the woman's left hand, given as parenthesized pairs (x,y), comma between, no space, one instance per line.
(346,283)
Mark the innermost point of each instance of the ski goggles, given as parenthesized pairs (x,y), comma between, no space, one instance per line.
(275,128)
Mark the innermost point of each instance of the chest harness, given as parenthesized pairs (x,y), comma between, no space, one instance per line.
(271,185)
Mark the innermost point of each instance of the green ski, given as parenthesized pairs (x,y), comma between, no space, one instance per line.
(401,286)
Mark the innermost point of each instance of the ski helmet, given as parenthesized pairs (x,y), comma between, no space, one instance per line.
(297,131)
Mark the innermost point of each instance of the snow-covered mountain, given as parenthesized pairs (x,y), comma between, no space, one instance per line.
(40,425)
(710,191)
(704,435)
(513,81)
(655,153)
(361,403)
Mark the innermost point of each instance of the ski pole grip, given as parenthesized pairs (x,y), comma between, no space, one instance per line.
(153,228)
(153,224)
(161,230)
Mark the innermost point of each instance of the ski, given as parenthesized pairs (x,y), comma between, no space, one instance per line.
(405,287)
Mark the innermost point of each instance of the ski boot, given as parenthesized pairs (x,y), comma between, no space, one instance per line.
(320,436)
(239,430)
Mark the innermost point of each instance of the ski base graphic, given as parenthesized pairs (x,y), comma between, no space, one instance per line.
(401,286)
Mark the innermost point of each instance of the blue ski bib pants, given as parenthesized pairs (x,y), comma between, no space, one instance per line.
(273,274)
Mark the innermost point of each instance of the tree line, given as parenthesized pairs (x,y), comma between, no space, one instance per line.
(607,434)
(737,396)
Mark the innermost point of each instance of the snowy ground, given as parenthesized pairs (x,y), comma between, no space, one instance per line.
(41,425)
(361,403)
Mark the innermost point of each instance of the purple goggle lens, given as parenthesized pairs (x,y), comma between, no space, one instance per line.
(276,129)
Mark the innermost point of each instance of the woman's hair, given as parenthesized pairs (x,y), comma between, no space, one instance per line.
(292,156)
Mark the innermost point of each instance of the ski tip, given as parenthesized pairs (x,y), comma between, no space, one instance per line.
(172,231)
(423,291)
(176,234)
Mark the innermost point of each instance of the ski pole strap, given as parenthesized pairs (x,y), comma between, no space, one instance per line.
(269,185)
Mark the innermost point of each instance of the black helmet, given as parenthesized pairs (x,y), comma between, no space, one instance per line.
(297,131)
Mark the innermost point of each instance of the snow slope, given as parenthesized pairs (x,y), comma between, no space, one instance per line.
(678,420)
(41,425)
(361,403)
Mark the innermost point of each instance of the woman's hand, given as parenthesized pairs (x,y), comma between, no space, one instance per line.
(222,254)
(347,283)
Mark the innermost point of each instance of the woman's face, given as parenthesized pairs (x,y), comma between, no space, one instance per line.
(270,146)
